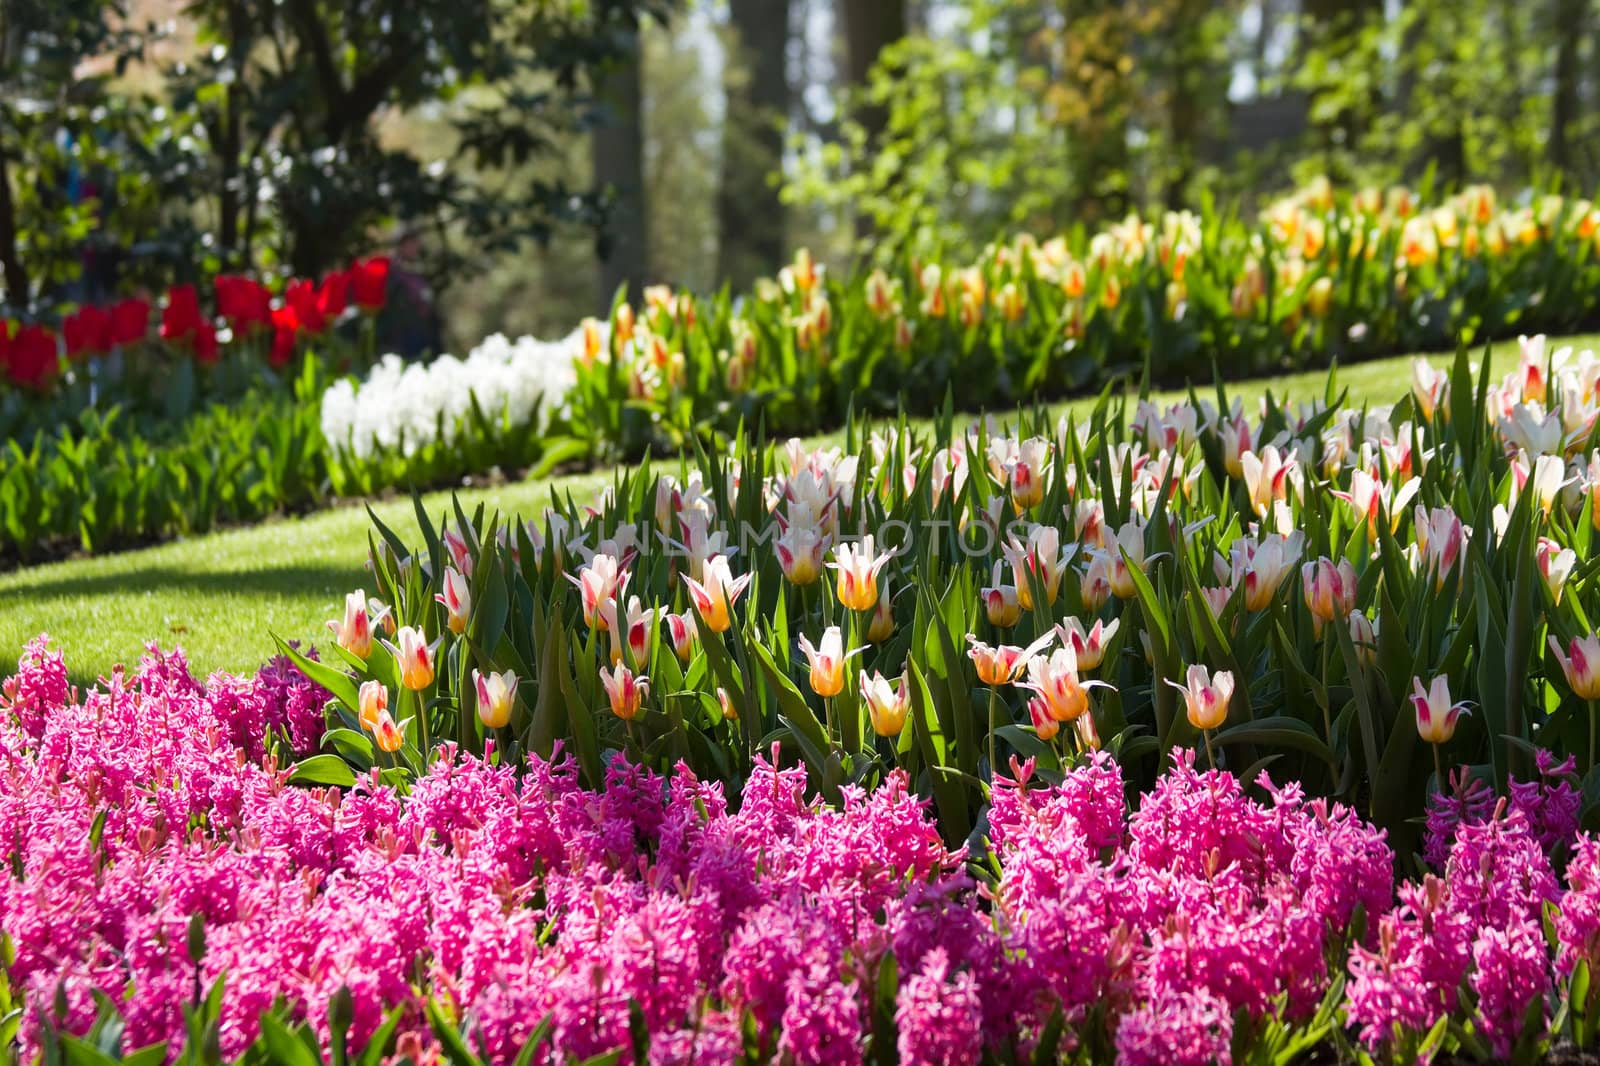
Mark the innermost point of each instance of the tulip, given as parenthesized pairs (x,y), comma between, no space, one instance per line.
(800,552)
(1001,665)
(827,662)
(1055,679)
(1529,374)
(496,694)
(1319,296)
(1130,540)
(625,690)
(638,628)
(387,734)
(369,282)
(457,600)
(1040,557)
(1217,599)
(1206,697)
(600,580)
(1000,602)
(1592,487)
(594,342)
(1026,473)
(1436,715)
(1095,588)
(681,631)
(373,702)
(1555,565)
(1440,538)
(1090,647)
(1267,476)
(858,567)
(459,549)
(880,625)
(716,595)
(415,657)
(1088,735)
(1264,567)
(1547,478)
(1429,387)
(1368,496)
(1234,436)
(886,704)
(1581,665)
(1043,724)
(354,634)
(1330,590)
(725,703)
(1089,522)
(130,321)
(1364,635)
(880,295)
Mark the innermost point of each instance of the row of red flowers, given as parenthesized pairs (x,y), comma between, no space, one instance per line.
(30,354)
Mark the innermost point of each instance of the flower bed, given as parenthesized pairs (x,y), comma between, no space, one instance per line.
(420,423)
(1319,275)
(162,863)
(1321,589)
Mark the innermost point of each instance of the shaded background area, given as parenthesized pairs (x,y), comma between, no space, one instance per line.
(544,153)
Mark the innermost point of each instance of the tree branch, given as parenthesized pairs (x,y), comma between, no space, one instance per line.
(368,92)
(314,39)
(16,277)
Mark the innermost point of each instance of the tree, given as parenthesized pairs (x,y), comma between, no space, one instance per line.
(73,183)
(617,150)
(869,28)
(264,147)
(1570,18)
(290,95)
(750,213)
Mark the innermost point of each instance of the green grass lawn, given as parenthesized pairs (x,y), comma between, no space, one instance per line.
(221,596)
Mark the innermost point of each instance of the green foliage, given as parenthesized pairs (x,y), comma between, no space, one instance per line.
(1323,703)
(264,148)
(97,482)
(1316,277)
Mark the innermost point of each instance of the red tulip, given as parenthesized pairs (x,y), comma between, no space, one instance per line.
(205,343)
(244,302)
(369,281)
(180,319)
(33,357)
(87,332)
(285,326)
(130,320)
(302,297)
(334,296)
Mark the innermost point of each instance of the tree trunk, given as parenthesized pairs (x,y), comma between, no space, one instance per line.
(1569,28)
(750,215)
(869,26)
(16,277)
(617,152)
(1337,26)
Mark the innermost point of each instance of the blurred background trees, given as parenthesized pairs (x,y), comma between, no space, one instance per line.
(544,152)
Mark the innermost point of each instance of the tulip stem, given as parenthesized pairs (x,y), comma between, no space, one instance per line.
(1591,733)
(1438,770)
(1211,756)
(994,727)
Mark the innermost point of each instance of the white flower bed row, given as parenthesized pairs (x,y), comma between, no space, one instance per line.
(399,404)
